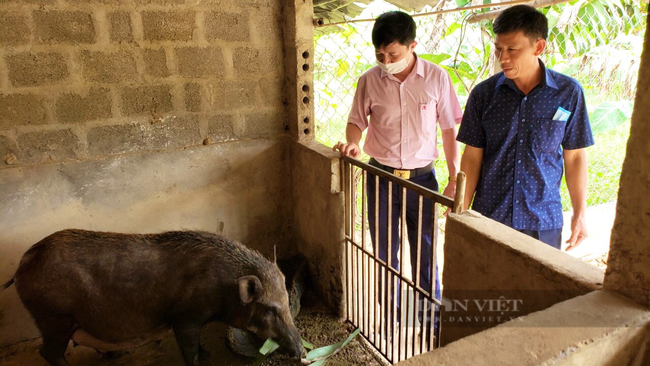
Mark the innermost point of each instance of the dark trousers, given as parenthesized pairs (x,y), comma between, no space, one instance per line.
(550,237)
(425,180)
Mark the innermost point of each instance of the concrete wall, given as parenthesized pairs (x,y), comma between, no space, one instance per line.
(628,269)
(83,79)
(318,217)
(492,273)
(104,106)
(599,328)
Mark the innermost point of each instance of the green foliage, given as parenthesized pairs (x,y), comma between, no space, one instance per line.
(609,115)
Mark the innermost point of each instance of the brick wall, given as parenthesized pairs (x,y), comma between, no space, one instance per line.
(88,78)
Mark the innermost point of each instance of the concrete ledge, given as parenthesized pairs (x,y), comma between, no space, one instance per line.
(490,264)
(324,154)
(600,328)
(318,216)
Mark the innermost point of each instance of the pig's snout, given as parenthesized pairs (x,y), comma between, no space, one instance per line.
(293,344)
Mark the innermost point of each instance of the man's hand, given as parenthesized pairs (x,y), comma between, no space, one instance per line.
(348,149)
(578,231)
(450,191)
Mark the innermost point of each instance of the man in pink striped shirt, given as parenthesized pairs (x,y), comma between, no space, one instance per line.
(401,101)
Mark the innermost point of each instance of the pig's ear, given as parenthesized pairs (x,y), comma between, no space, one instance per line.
(250,289)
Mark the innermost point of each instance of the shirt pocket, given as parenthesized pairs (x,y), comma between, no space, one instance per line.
(427,122)
(548,135)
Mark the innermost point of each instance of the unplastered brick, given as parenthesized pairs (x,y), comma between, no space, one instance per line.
(227,26)
(33,69)
(58,26)
(13,28)
(21,109)
(109,67)
(121,30)
(197,62)
(155,62)
(168,25)
(76,107)
(146,100)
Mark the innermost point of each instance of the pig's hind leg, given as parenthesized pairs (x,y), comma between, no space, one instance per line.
(56,332)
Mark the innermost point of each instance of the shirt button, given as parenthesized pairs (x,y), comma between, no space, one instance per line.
(517,201)
(517,181)
(523,120)
(519,161)
(525,98)
(404,103)
(521,141)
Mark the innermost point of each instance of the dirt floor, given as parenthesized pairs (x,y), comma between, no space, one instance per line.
(316,324)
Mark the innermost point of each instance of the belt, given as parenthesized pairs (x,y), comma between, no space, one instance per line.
(404,174)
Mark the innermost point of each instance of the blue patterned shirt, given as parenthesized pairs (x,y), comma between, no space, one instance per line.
(522,146)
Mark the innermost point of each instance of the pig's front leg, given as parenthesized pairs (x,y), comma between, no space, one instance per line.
(188,339)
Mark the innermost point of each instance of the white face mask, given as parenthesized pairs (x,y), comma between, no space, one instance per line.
(395,67)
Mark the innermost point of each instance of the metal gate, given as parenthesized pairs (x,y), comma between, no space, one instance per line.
(392,309)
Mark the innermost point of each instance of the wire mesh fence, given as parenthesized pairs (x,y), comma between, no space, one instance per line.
(597,42)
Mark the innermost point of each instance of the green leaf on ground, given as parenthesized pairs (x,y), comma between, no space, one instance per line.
(269,347)
(306,344)
(328,350)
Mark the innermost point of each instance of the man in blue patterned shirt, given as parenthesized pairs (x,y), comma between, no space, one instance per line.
(520,127)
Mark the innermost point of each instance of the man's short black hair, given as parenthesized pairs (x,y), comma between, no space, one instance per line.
(522,18)
(393,26)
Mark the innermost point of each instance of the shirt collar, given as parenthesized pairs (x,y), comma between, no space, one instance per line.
(547,79)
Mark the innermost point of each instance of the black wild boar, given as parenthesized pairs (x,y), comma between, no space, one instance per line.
(114,292)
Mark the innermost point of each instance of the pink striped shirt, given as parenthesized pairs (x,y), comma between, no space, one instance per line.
(404,115)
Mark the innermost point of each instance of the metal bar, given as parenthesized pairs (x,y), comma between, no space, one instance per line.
(427,193)
(389,226)
(408,327)
(362,291)
(370,300)
(358,289)
(353,204)
(423,346)
(378,317)
(418,265)
(394,314)
(366,298)
(348,250)
(434,271)
(416,280)
(389,266)
(355,294)
(384,311)
(416,308)
(376,233)
(348,199)
(403,235)
(434,246)
(318,22)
